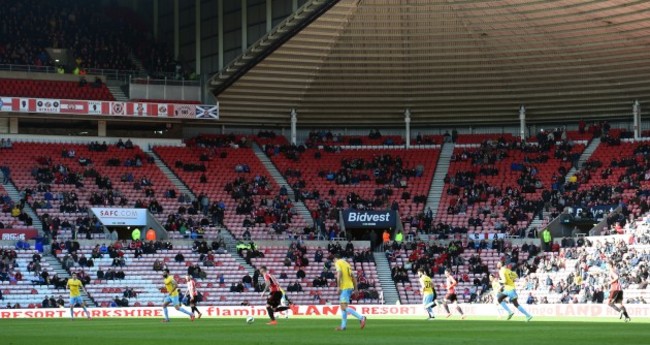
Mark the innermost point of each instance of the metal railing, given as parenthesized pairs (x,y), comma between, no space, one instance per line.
(166,81)
(166,88)
(112,74)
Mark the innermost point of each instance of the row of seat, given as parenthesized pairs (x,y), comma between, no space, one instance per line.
(53,89)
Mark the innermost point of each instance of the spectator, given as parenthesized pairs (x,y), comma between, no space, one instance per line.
(247,280)
(179,257)
(158,265)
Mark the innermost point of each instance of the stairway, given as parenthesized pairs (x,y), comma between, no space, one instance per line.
(438,183)
(385,278)
(281,181)
(180,185)
(15,197)
(586,154)
(118,93)
(137,63)
(538,223)
(228,238)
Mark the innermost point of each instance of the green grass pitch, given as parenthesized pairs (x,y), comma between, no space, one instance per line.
(396,331)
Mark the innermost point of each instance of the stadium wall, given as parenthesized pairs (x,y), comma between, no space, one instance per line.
(332,311)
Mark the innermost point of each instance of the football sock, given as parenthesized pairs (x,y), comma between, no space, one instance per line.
(523,311)
(344,318)
(270,311)
(71,313)
(281,309)
(459,310)
(87,313)
(615,308)
(625,312)
(196,310)
(446,308)
(505,307)
(166,313)
(354,313)
(182,310)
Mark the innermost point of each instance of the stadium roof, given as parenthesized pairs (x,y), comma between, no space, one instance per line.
(363,62)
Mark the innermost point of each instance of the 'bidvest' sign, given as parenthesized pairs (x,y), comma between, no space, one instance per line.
(368,219)
(121,216)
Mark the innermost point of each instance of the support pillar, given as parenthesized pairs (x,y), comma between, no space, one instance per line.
(522,122)
(636,113)
(197,36)
(13,125)
(269,15)
(220,32)
(101,128)
(244,25)
(294,122)
(177,28)
(407,124)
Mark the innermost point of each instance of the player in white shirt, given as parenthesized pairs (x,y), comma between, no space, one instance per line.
(192,294)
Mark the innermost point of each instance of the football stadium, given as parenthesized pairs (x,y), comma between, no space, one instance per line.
(324,171)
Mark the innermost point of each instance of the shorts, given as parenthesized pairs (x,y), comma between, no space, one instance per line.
(616,296)
(451,297)
(346,294)
(274,299)
(426,299)
(76,300)
(510,294)
(173,300)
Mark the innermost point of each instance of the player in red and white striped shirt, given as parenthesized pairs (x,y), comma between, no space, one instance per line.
(450,297)
(275,295)
(192,293)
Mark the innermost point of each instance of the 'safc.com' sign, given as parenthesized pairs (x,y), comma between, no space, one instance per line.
(121,216)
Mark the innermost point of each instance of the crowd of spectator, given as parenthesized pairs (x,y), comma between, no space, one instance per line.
(69,24)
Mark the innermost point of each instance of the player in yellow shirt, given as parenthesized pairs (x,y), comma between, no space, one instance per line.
(347,283)
(428,292)
(76,286)
(507,279)
(172,296)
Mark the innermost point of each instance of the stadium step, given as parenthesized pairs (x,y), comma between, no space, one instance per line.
(180,186)
(438,183)
(15,197)
(137,63)
(385,278)
(586,154)
(281,181)
(118,93)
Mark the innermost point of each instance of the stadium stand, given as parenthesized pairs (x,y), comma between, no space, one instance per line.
(82,30)
(577,273)
(75,26)
(12,215)
(61,180)
(146,282)
(254,207)
(470,261)
(332,178)
(25,280)
(498,186)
